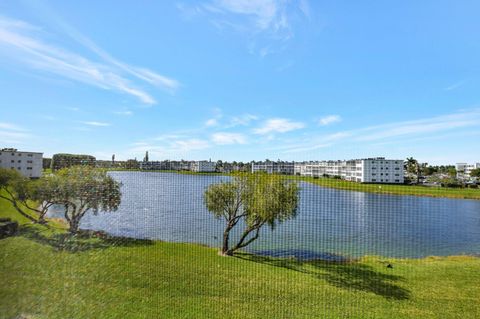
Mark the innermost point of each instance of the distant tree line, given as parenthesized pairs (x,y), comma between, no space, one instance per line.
(60,161)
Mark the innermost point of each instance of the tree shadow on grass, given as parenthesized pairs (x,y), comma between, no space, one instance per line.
(83,241)
(348,274)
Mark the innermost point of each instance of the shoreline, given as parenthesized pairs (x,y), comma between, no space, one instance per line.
(383,189)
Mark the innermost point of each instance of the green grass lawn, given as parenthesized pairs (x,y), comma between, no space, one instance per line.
(46,274)
(464,193)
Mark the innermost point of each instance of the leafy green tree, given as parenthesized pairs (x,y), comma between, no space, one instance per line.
(83,188)
(412,166)
(60,161)
(28,196)
(452,172)
(254,200)
(132,164)
(475,172)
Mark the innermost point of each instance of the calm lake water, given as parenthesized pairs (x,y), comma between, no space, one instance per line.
(330,222)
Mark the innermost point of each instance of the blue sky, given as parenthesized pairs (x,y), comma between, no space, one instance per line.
(242,80)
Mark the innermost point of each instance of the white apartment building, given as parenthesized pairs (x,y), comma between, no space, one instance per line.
(464,169)
(369,170)
(29,164)
(203,166)
(271,167)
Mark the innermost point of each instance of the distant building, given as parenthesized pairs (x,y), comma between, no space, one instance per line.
(368,170)
(203,166)
(194,166)
(271,167)
(464,169)
(29,164)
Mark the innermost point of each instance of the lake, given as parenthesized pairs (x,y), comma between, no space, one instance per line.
(330,222)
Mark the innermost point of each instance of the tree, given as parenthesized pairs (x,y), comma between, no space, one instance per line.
(145,159)
(412,166)
(24,193)
(132,164)
(84,188)
(60,161)
(475,172)
(254,199)
(452,172)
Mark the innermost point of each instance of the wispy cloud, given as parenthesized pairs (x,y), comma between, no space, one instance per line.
(329,119)
(124,113)
(225,138)
(418,127)
(95,123)
(242,120)
(211,122)
(13,134)
(22,42)
(169,147)
(268,21)
(454,86)
(397,131)
(11,127)
(278,125)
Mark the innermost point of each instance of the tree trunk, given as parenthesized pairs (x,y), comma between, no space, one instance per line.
(226,236)
(73,226)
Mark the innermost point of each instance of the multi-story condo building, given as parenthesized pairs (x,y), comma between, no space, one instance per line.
(464,169)
(203,166)
(29,164)
(271,167)
(195,166)
(369,170)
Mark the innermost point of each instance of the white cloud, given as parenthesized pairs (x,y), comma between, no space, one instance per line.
(427,128)
(190,145)
(267,24)
(454,86)
(419,127)
(329,119)
(242,120)
(211,122)
(11,127)
(13,134)
(125,113)
(265,13)
(278,125)
(94,123)
(225,138)
(20,42)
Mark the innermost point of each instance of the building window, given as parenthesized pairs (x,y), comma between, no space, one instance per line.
(29,168)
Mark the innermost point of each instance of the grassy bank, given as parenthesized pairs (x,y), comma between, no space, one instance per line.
(46,274)
(464,193)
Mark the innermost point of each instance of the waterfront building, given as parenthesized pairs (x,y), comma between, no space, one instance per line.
(271,167)
(203,166)
(464,169)
(368,170)
(29,164)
